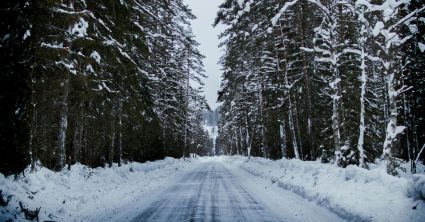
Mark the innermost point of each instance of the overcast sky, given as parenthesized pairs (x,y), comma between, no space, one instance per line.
(205,11)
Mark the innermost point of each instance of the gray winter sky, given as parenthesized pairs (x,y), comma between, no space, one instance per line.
(205,11)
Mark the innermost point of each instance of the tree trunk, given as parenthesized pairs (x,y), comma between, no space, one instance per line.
(362,126)
(186,122)
(409,147)
(241,138)
(264,149)
(298,130)
(63,125)
(231,148)
(282,134)
(120,132)
(292,129)
(307,92)
(307,97)
(363,78)
(111,148)
(291,117)
(335,86)
(392,129)
(247,138)
(289,101)
(78,135)
(236,142)
(32,124)
(76,143)
(336,124)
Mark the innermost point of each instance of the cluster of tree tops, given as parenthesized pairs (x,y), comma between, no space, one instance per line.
(339,81)
(98,82)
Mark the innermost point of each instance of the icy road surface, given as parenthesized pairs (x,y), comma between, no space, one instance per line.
(213,192)
(210,193)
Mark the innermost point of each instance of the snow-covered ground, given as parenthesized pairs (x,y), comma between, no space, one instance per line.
(85,194)
(292,190)
(352,193)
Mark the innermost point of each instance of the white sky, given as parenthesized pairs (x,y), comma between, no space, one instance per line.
(207,36)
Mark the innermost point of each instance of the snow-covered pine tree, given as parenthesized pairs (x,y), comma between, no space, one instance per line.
(15,86)
(388,30)
(97,71)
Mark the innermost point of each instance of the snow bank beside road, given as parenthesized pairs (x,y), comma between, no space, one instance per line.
(417,190)
(84,194)
(353,193)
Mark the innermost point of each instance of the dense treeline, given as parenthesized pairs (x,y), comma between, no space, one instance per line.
(98,82)
(340,81)
(211,117)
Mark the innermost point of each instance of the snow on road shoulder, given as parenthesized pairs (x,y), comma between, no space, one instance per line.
(352,193)
(85,194)
(285,204)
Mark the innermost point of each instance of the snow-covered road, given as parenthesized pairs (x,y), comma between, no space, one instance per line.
(208,193)
(215,192)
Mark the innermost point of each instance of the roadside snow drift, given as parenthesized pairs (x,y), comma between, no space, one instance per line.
(353,193)
(85,194)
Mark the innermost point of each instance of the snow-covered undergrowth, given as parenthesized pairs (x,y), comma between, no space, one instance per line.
(353,193)
(85,194)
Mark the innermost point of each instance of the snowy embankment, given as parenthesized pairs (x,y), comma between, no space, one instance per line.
(352,193)
(85,194)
